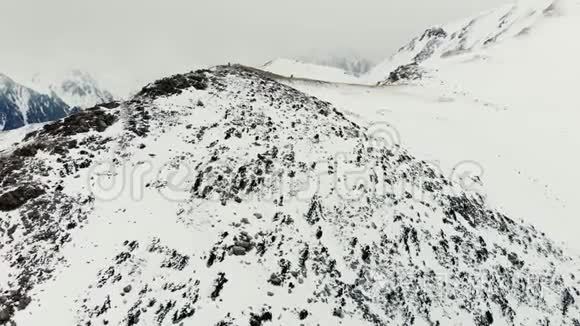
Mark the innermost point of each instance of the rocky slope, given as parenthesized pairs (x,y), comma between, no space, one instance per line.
(20,105)
(222,197)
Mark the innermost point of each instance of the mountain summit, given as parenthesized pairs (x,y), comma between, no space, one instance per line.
(269,206)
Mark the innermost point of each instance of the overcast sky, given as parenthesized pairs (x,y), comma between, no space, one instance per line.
(126,41)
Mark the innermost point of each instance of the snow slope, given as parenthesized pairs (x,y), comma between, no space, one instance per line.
(298,69)
(269,206)
(15,136)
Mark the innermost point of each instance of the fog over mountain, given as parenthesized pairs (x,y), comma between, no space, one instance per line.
(125,44)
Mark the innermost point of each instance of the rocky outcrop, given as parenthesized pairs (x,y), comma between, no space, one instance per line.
(404,73)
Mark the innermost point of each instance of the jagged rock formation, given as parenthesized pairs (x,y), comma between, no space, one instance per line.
(404,73)
(284,212)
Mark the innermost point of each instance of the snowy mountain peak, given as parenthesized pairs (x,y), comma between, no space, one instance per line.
(5,81)
(20,105)
(76,87)
(265,191)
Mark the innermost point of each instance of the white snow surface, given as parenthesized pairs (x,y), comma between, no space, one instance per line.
(299,69)
(13,138)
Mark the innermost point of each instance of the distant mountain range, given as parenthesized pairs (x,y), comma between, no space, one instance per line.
(47,98)
(77,88)
(20,105)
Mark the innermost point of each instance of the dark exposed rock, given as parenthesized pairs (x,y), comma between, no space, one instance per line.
(172,258)
(275,279)
(238,250)
(10,302)
(95,119)
(9,167)
(30,150)
(224,323)
(5,315)
(110,105)
(434,32)
(183,314)
(13,199)
(567,301)
(176,84)
(133,318)
(484,320)
(219,285)
(404,73)
(258,320)
(315,212)
(366,254)
(513,258)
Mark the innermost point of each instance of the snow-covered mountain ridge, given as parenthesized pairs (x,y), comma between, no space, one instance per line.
(284,200)
(47,98)
(471,35)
